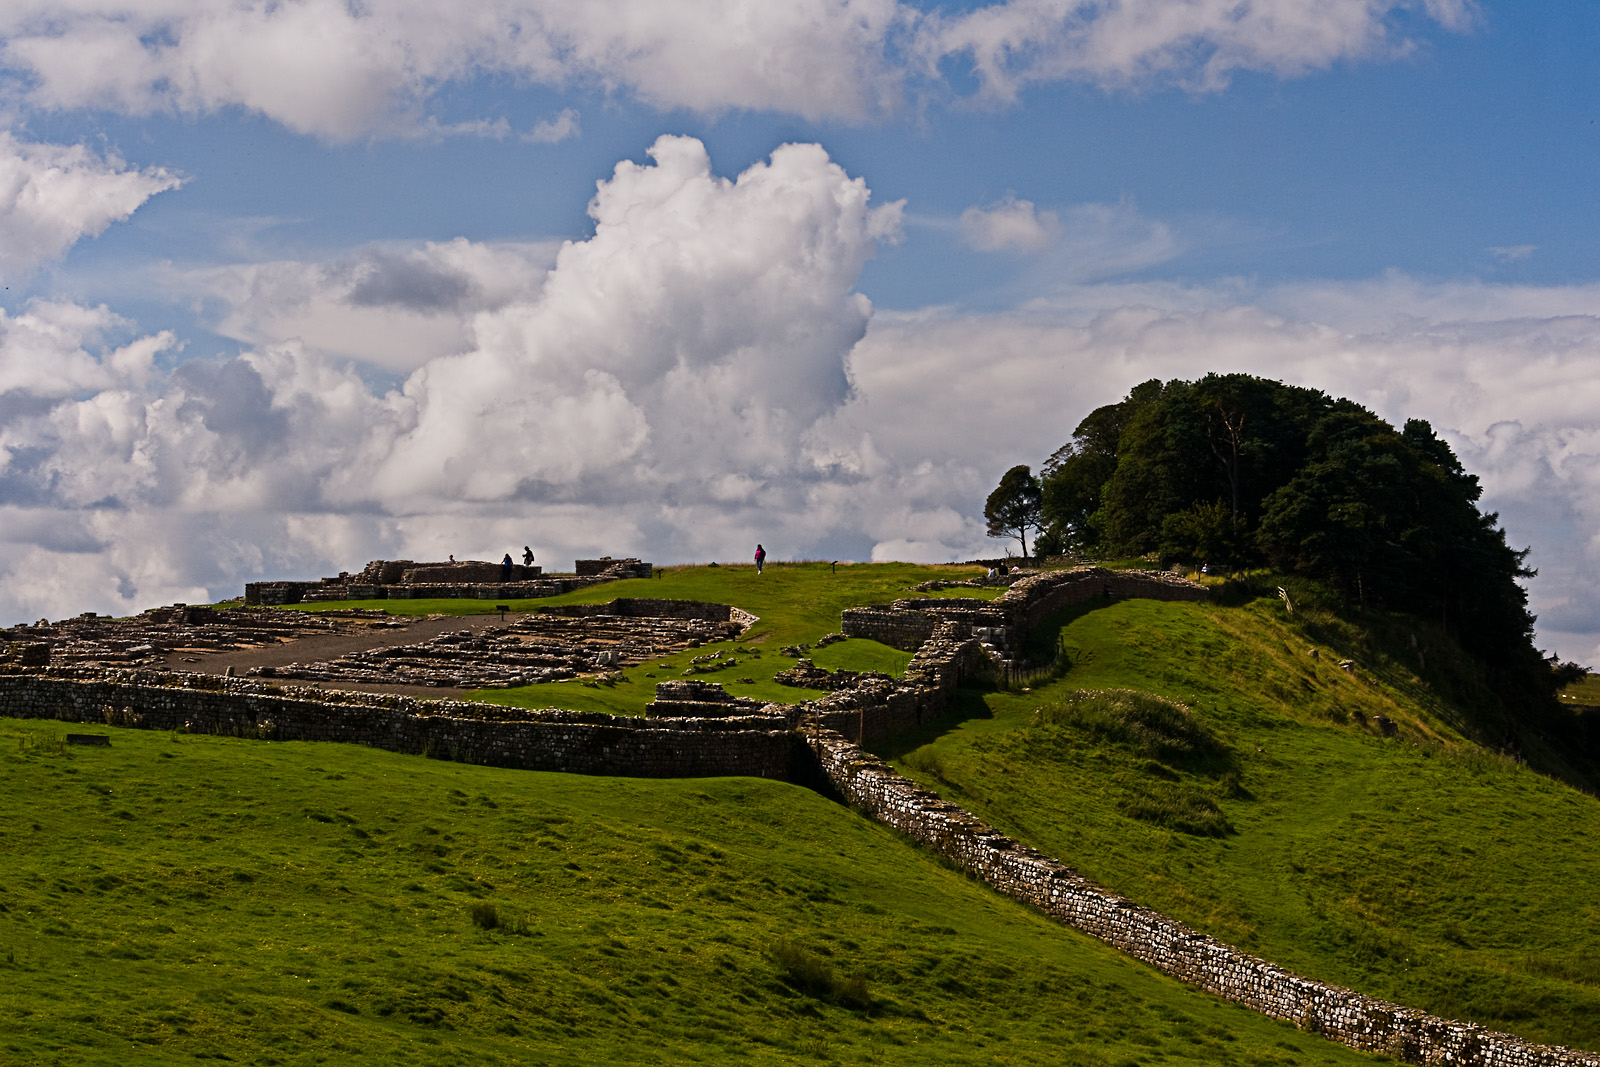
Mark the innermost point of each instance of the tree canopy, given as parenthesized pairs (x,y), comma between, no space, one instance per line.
(1014,507)
(1238,471)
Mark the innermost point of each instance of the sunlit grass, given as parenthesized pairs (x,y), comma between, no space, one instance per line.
(180,897)
(796,603)
(1419,867)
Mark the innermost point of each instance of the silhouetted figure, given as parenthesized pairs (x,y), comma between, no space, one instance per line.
(527,556)
(505,568)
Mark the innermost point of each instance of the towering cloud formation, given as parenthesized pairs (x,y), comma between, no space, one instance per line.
(669,370)
(705,318)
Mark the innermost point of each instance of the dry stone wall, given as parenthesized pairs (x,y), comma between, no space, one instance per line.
(576,742)
(465,580)
(1054,888)
(723,737)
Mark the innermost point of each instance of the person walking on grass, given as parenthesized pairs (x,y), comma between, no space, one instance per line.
(761,557)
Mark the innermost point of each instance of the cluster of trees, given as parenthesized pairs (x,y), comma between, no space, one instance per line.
(1237,471)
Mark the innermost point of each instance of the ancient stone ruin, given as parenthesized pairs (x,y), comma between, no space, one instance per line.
(152,637)
(696,728)
(403,579)
(556,644)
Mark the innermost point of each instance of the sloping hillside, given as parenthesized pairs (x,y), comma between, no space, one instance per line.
(1332,820)
(176,897)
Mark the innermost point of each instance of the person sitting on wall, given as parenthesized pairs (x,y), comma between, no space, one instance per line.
(505,568)
(527,556)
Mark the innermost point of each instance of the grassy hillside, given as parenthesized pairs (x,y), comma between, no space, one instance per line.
(176,898)
(797,603)
(1272,811)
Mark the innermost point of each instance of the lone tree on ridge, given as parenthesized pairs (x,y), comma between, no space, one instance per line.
(1016,506)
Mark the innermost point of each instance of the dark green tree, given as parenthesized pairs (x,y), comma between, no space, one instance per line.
(1014,508)
(1075,475)
(1240,470)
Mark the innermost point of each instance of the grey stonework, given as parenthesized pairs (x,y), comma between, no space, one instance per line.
(467,580)
(1052,887)
(805,743)
(488,734)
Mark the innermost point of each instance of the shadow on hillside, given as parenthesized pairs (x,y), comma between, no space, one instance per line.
(971,702)
(965,704)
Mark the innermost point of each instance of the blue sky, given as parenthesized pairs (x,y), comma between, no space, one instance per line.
(294,286)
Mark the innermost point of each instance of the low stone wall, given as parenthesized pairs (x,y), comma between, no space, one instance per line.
(632,567)
(905,630)
(1054,888)
(465,573)
(575,742)
(1035,598)
(466,580)
(878,711)
(652,608)
(907,624)
(692,698)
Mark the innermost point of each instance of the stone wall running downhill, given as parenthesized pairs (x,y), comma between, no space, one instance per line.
(1054,888)
(577,742)
(696,729)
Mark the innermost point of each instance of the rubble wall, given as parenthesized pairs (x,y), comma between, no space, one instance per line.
(651,608)
(1035,598)
(905,630)
(948,657)
(1052,887)
(575,742)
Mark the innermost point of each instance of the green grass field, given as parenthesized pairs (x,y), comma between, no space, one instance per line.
(797,603)
(1276,816)
(1586,691)
(178,897)
(175,898)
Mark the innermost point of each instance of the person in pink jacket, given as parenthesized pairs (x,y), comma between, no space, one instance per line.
(761,557)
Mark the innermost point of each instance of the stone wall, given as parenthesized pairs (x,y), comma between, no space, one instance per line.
(905,630)
(465,573)
(1007,619)
(616,568)
(1054,888)
(766,745)
(466,580)
(575,742)
(877,711)
(652,608)
(692,698)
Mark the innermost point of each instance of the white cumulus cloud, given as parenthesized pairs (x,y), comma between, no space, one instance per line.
(53,195)
(1010,224)
(661,380)
(341,71)
(389,306)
